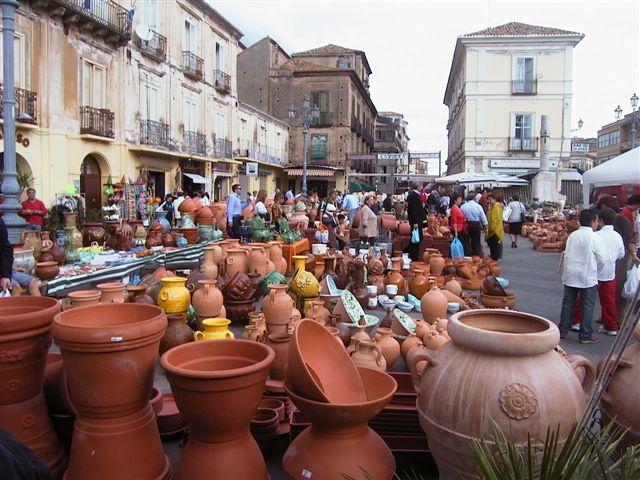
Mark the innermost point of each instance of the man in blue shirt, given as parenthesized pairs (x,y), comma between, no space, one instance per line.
(234,210)
(350,204)
(477,219)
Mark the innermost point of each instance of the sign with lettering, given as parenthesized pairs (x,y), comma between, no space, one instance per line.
(579,147)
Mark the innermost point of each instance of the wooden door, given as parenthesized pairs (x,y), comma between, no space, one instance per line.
(91,187)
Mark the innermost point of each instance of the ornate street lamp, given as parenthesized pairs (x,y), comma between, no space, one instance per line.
(307,118)
(634,105)
(618,112)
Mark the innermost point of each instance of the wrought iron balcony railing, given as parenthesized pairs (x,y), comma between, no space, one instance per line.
(221,81)
(154,133)
(26,103)
(192,65)
(155,47)
(104,14)
(524,87)
(97,121)
(517,144)
(195,142)
(222,148)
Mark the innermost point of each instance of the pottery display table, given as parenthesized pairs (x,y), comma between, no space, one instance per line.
(296,248)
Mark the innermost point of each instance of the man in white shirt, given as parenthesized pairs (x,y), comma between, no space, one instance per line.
(176,204)
(234,210)
(584,256)
(350,205)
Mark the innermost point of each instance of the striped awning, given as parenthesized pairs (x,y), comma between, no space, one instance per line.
(311,172)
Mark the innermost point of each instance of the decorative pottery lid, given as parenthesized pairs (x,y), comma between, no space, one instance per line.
(405,320)
(351,306)
(331,285)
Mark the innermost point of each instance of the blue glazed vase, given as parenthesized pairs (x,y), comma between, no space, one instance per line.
(161,216)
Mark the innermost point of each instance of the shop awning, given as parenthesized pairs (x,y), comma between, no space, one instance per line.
(311,172)
(361,187)
(195,178)
(217,173)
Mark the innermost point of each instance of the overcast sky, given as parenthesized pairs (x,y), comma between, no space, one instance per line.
(410,45)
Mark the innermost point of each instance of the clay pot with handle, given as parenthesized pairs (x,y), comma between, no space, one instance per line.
(277,306)
(388,345)
(237,261)
(207,300)
(368,353)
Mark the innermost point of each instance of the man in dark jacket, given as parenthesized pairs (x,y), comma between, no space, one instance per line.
(417,217)
(6,258)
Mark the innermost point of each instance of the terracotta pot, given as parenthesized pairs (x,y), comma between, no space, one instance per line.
(394,277)
(257,261)
(193,280)
(434,303)
(453,286)
(499,367)
(109,354)
(277,307)
(207,300)
(412,341)
(275,255)
(168,240)
(31,239)
(239,288)
(212,258)
(154,239)
(238,311)
(359,288)
(191,234)
(426,256)
(214,329)
(138,294)
(280,343)
(237,261)
(498,301)
(339,428)
(53,248)
(367,353)
(47,270)
(418,284)
(436,262)
(111,292)
(217,387)
(204,213)
(251,333)
(174,297)
(318,312)
(81,298)
(388,222)
(404,228)
(188,206)
(177,332)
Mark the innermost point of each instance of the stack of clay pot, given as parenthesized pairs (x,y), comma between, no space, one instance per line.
(549,236)
(24,343)
(494,296)
(339,399)
(500,367)
(109,353)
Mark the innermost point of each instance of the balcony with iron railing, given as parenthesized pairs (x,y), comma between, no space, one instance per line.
(104,18)
(154,133)
(26,103)
(195,142)
(222,148)
(192,65)
(97,121)
(517,144)
(155,47)
(524,87)
(221,81)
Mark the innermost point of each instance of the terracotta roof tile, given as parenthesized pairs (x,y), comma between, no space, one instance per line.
(329,49)
(516,29)
(298,65)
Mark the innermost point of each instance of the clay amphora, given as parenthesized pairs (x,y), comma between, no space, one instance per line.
(174,297)
(426,256)
(81,298)
(237,261)
(359,289)
(388,345)
(433,304)
(111,292)
(217,388)
(177,333)
(418,284)
(257,261)
(109,353)
(92,232)
(500,367)
(138,294)
(211,260)
(277,306)
(214,329)
(207,300)
(394,277)
(453,286)
(383,258)
(257,319)
(367,353)
(360,334)
(280,344)
(47,270)
(318,312)
(436,262)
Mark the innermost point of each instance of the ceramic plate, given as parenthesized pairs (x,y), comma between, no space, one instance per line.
(351,306)
(331,285)
(415,301)
(404,320)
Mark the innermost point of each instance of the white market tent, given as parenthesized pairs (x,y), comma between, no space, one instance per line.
(465,178)
(621,170)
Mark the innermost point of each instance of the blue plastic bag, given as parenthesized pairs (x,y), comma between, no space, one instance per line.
(456,249)
(415,236)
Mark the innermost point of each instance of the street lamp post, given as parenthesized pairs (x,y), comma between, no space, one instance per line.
(10,187)
(634,105)
(307,118)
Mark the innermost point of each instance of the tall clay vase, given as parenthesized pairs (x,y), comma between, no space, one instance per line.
(280,344)
(217,387)
(211,260)
(111,292)
(24,343)
(434,303)
(207,301)
(418,283)
(236,261)
(436,262)
(275,255)
(109,353)
(499,367)
(277,306)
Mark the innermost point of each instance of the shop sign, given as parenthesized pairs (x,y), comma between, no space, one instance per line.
(252,169)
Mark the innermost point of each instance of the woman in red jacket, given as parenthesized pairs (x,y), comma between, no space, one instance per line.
(458,222)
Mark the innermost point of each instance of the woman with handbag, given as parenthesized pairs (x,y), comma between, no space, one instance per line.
(495,232)
(368,229)
(459,224)
(516,217)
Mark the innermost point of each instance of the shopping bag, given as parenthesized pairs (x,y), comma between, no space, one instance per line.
(633,280)
(506,213)
(457,250)
(415,235)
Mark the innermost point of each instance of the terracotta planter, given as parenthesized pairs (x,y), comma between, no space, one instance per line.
(434,303)
(217,387)
(277,307)
(498,367)
(82,298)
(109,354)
(24,342)
(174,297)
(339,442)
(280,343)
(47,270)
(177,332)
(111,292)
(207,300)
(499,301)
(138,294)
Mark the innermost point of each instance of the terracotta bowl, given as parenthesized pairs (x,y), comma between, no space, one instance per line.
(320,369)
(274,404)
(494,301)
(379,388)
(47,270)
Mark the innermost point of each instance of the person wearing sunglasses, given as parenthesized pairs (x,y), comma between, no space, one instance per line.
(234,210)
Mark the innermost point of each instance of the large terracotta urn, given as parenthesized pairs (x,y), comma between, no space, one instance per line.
(257,260)
(434,303)
(277,306)
(174,297)
(207,300)
(237,261)
(109,353)
(24,342)
(217,387)
(500,366)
